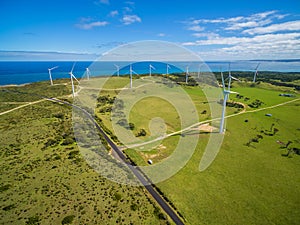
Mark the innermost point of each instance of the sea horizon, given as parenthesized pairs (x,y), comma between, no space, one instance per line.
(23,72)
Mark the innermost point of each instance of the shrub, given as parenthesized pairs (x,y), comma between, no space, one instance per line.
(68,141)
(134,207)
(4,187)
(34,220)
(68,219)
(131,126)
(142,132)
(117,196)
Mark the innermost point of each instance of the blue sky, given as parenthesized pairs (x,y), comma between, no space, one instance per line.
(83,29)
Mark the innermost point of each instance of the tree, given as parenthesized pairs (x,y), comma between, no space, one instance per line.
(142,132)
(131,126)
(68,219)
(287,144)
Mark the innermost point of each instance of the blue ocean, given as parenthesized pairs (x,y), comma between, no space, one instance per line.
(20,72)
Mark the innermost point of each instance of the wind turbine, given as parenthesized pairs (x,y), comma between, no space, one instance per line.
(150,69)
(226,96)
(168,67)
(199,70)
(88,73)
(72,82)
(131,71)
(186,74)
(255,73)
(118,69)
(50,75)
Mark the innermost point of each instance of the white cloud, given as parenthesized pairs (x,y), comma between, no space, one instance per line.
(104,2)
(264,39)
(127,9)
(287,26)
(129,19)
(259,35)
(241,22)
(88,26)
(208,35)
(114,13)
(129,2)
(196,28)
(161,35)
(239,26)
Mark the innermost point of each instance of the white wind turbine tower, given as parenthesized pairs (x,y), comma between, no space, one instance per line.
(186,74)
(199,70)
(118,69)
(168,67)
(226,96)
(255,73)
(50,75)
(88,73)
(150,69)
(131,71)
(72,82)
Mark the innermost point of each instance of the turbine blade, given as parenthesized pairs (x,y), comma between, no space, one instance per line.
(134,72)
(73,67)
(53,68)
(234,78)
(256,68)
(223,83)
(75,78)
(152,67)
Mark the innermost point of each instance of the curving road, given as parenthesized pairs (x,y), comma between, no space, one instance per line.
(145,181)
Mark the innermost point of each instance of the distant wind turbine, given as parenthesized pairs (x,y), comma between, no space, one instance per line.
(255,73)
(226,96)
(199,70)
(88,73)
(186,74)
(72,82)
(118,69)
(150,69)
(168,67)
(131,72)
(50,75)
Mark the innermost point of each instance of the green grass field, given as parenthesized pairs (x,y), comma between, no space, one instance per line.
(252,180)
(249,182)
(44,178)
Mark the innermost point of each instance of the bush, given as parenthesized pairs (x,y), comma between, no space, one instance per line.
(9,207)
(68,219)
(134,207)
(131,126)
(4,187)
(117,196)
(34,220)
(73,154)
(142,132)
(68,141)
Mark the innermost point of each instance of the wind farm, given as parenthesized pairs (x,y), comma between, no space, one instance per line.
(241,112)
(149,112)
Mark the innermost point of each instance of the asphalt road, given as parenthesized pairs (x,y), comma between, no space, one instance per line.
(142,177)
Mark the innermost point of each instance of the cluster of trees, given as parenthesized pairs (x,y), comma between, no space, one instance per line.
(256,103)
(271,132)
(104,103)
